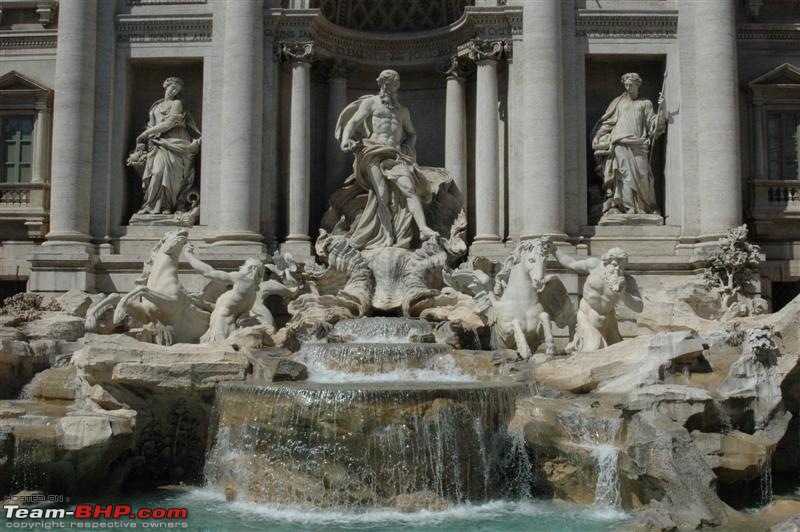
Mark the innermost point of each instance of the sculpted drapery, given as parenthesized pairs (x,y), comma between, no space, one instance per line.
(377,129)
(168,150)
(622,142)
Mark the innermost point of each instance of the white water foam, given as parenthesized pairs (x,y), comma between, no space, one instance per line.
(606,492)
(442,369)
(464,513)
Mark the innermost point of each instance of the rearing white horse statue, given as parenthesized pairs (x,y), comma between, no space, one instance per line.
(159,300)
(521,302)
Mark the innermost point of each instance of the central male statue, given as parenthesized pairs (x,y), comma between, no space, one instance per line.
(379,132)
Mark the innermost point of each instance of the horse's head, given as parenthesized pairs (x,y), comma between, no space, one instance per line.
(174,241)
(532,255)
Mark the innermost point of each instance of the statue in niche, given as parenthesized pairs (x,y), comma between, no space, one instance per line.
(164,157)
(607,285)
(622,142)
(377,129)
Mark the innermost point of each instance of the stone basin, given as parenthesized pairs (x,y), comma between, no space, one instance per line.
(381,329)
(370,357)
(368,445)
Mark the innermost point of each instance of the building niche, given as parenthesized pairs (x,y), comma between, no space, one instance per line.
(603,84)
(146,78)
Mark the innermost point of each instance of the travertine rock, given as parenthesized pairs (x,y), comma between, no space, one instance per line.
(661,466)
(759,377)
(76,302)
(735,456)
(55,326)
(73,452)
(622,367)
(54,383)
(272,366)
(676,401)
(18,365)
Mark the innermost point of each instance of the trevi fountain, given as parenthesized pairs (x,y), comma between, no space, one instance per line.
(406,369)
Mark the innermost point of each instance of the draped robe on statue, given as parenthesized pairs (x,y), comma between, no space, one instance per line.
(621,145)
(367,232)
(169,172)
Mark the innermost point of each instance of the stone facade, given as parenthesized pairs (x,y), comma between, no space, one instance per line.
(504,94)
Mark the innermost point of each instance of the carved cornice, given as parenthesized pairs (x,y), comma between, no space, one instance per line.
(627,25)
(430,47)
(28,39)
(502,22)
(174,28)
(768,32)
(295,52)
(479,50)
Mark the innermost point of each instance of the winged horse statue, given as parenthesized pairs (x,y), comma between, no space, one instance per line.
(159,300)
(521,302)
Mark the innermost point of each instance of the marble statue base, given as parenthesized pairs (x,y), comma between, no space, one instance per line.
(631,219)
(178,219)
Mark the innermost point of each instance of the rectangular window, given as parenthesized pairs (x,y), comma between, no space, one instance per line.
(17,151)
(783,148)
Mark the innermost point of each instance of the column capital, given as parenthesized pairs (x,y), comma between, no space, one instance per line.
(482,51)
(296,52)
(456,68)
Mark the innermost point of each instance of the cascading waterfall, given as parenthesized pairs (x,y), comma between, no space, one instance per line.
(370,357)
(367,446)
(358,440)
(597,434)
(386,330)
(766,478)
(606,491)
(380,350)
(724,418)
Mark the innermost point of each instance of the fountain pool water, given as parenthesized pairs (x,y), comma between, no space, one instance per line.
(208,511)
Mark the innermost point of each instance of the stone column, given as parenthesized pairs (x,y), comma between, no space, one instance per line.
(455,133)
(335,158)
(717,116)
(41,143)
(543,134)
(73,127)
(298,242)
(240,163)
(487,163)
